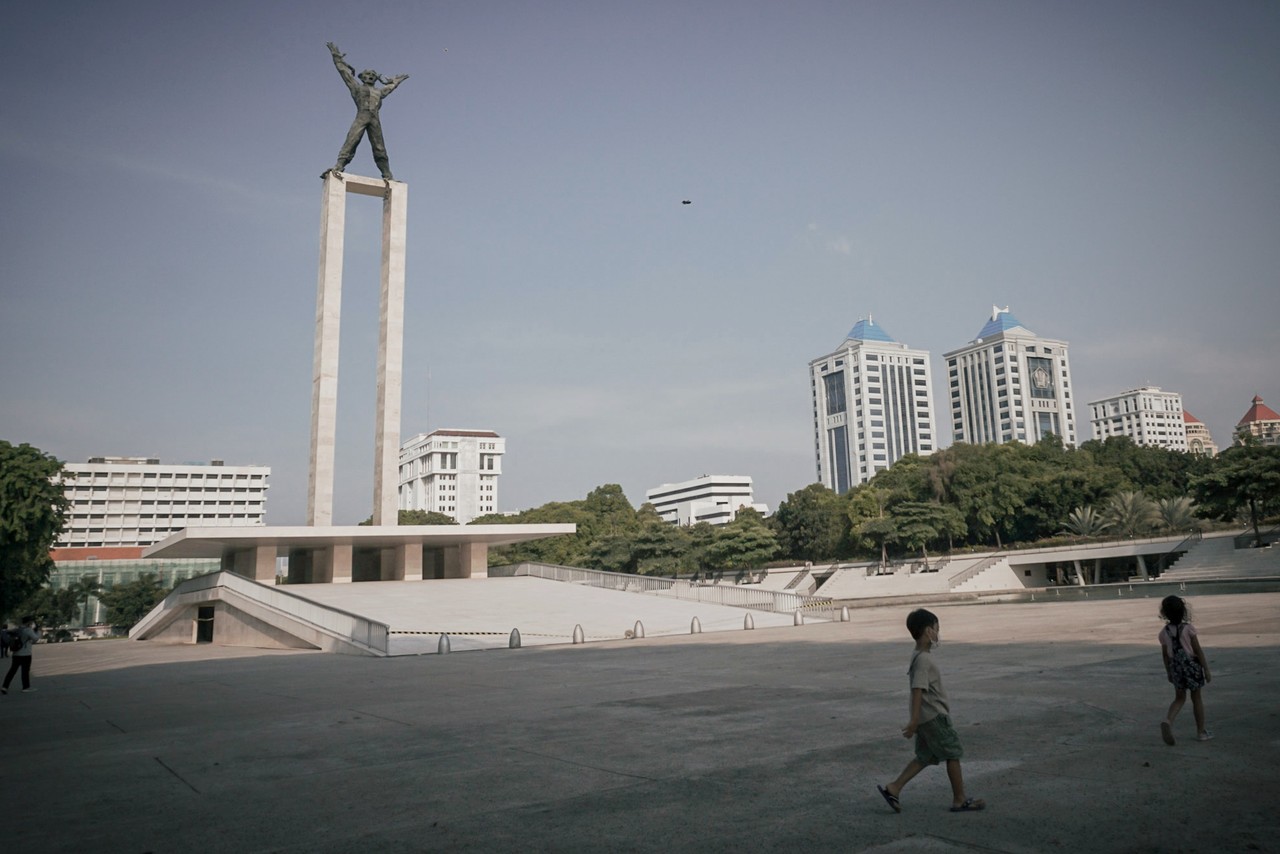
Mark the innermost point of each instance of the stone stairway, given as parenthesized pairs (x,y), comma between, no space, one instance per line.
(1218,558)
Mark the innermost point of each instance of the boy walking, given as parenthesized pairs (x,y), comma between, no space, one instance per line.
(930,724)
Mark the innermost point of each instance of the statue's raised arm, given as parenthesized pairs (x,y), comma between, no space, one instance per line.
(344,68)
(392,83)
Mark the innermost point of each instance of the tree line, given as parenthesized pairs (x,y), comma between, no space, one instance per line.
(962,497)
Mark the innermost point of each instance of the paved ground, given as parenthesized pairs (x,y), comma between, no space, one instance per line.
(733,741)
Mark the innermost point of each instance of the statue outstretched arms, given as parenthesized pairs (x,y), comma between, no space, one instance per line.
(392,83)
(340,62)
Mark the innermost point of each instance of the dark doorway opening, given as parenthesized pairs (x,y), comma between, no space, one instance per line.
(204,624)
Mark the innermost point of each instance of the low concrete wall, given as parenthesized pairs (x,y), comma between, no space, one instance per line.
(231,627)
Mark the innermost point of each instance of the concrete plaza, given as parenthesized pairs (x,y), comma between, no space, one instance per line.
(730,741)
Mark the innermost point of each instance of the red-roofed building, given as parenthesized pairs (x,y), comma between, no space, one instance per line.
(1198,439)
(1261,422)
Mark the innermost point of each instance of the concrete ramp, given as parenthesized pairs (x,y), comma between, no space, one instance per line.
(229,610)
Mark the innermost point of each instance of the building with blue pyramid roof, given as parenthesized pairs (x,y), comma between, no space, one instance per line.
(872,405)
(1010,385)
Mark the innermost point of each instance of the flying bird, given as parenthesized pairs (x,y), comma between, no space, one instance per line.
(686,202)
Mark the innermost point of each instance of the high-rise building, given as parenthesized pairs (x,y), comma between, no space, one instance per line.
(1010,385)
(712,498)
(1199,441)
(1261,422)
(1146,415)
(454,472)
(872,405)
(138,501)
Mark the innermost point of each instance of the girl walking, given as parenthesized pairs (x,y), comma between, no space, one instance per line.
(1186,665)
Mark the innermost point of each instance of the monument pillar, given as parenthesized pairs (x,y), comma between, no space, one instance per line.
(324,383)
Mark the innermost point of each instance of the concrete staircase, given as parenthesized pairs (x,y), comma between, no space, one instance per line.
(1216,557)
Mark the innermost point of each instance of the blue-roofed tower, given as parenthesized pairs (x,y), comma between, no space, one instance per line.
(872,405)
(1010,385)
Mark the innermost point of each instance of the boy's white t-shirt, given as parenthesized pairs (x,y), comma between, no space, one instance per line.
(924,674)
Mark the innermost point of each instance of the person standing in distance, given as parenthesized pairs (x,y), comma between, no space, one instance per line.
(22,657)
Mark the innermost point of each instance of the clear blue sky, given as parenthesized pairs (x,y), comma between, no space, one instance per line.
(1111,171)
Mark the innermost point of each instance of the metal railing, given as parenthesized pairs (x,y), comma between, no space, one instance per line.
(1246,540)
(962,577)
(734,596)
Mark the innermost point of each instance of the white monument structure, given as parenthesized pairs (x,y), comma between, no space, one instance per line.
(324,380)
(321,552)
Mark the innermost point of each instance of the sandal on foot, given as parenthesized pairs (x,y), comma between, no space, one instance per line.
(891,800)
(970,805)
(1166,732)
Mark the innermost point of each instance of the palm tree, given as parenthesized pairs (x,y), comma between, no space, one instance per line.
(1130,514)
(1176,514)
(1087,522)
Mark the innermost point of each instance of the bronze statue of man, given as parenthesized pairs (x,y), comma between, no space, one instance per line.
(368,100)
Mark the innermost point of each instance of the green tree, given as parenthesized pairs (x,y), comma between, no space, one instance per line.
(51,608)
(919,523)
(1176,514)
(33,511)
(744,543)
(419,517)
(1131,513)
(659,547)
(1086,522)
(871,528)
(129,602)
(811,524)
(1245,479)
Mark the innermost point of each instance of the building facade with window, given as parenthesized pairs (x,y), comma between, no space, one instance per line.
(454,472)
(712,498)
(1146,415)
(1010,385)
(1261,422)
(872,405)
(1199,440)
(138,501)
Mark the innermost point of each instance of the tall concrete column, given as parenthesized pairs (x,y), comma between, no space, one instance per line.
(386,473)
(324,391)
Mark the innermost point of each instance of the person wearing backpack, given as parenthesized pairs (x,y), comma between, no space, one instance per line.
(28,635)
(1186,666)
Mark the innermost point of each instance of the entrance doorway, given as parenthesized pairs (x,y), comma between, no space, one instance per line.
(204,624)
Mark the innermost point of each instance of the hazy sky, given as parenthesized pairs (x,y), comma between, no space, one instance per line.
(1109,170)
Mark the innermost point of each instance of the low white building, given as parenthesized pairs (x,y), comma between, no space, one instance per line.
(712,498)
(1146,415)
(454,472)
(138,501)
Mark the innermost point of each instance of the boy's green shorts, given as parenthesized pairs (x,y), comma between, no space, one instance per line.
(936,741)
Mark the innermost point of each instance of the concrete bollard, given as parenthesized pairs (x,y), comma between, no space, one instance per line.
(638,631)
(799,618)
(514,641)
(444,646)
(578,636)
(695,628)
(844,614)
(748,623)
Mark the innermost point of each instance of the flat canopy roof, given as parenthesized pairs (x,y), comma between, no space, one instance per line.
(215,542)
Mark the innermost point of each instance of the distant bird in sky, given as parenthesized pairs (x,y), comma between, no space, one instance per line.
(686,202)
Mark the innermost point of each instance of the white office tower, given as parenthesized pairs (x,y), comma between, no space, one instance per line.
(1146,415)
(1010,385)
(138,501)
(711,498)
(454,472)
(872,405)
